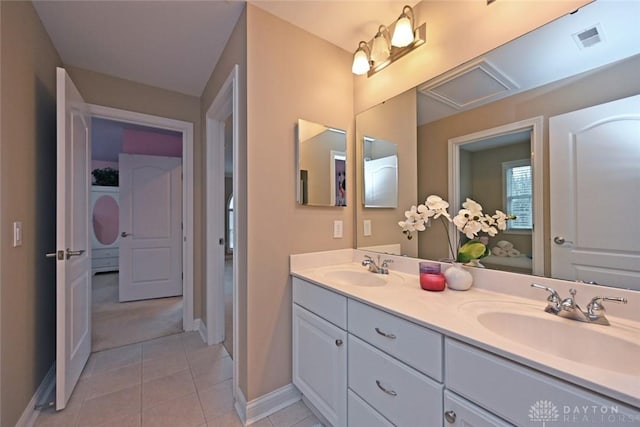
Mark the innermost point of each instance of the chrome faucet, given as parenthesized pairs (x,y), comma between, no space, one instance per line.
(568,308)
(379,268)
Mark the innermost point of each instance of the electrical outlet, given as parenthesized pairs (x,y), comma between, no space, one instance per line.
(337,229)
(367,227)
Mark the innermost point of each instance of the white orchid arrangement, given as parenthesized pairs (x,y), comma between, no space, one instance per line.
(470,221)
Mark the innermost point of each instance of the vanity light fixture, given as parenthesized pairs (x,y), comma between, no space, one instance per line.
(372,57)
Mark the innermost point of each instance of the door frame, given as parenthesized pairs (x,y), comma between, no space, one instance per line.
(186,128)
(224,104)
(535,125)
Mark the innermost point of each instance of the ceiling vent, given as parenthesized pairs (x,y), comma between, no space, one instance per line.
(471,86)
(589,37)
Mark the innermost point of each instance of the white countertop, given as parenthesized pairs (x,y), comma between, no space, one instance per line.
(453,313)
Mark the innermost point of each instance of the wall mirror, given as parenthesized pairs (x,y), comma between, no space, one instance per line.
(321,165)
(581,60)
(380,166)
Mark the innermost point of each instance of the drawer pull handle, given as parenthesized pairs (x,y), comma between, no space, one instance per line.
(389,392)
(386,335)
(450,416)
(338,343)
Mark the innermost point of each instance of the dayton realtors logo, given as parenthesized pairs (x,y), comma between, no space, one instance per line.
(543,411)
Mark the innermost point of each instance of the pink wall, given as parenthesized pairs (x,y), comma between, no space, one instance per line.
(137,141)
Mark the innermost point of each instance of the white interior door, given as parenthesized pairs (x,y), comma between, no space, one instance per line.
(73,256)
(595,193)
(151,227)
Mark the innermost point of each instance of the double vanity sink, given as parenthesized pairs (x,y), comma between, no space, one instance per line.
(510,327)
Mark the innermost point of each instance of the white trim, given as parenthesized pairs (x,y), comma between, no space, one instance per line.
(226,102)
(45,389)
(201,327)
(535,125)
(267,404)
(241,406)
(187,191)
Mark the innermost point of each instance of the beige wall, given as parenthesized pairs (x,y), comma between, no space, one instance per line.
(487,186)
(457,31)
(394,121)
(291,74)
(235,52)
(608,84)
(28,185)
(101,89)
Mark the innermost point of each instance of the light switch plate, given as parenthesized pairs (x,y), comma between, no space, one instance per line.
(337,229)
(367,227)
(17,234)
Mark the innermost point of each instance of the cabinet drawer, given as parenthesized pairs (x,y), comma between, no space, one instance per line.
(401,394)
(418,346)
(513,391)
(324,303)
(363,415)
(104,253)
(461,412)
(104,262)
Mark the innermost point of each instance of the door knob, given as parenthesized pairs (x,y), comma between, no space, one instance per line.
(57,254)
(450,416)
(559,240)
(71,253)
(125,234)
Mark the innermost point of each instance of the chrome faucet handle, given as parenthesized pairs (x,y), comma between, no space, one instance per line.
(553,298)
(367,261)
(386,262)
(595,307)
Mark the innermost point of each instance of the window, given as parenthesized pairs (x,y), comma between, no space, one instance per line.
(518,194)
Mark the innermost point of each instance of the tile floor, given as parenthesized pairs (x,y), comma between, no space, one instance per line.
(174,381)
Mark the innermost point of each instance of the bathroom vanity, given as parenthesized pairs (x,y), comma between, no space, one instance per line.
(376,350)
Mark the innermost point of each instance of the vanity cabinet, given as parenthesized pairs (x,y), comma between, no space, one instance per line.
(521,395)
(320,349)
(361,366)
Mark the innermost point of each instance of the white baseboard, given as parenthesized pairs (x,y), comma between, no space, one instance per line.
(241,406)
(201,327)
(30,414)
(266,405)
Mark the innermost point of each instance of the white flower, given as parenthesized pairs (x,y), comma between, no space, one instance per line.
(501,219)
(438,206)
(468,222)
(473,206)
(414,221)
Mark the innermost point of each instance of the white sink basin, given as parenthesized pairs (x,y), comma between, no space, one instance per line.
(355,277)
(614,348)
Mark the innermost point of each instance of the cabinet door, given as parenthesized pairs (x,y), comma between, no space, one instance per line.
(461,412)
(320,364)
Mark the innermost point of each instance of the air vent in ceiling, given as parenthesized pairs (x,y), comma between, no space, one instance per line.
(473,85)
(589,37)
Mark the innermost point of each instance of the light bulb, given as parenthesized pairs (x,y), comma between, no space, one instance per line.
(403,33)
(360,62)
(380,49)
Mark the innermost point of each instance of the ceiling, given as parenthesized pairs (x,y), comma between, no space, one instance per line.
(175,44)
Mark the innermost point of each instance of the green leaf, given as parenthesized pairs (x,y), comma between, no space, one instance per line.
(472,250)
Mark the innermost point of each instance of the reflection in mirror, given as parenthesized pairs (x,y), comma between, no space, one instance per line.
(321,165)
(551,72)
(380,173)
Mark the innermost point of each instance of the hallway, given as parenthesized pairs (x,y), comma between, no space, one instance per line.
(173,381)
